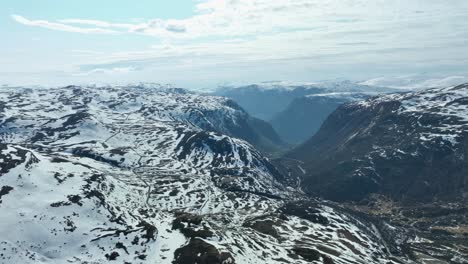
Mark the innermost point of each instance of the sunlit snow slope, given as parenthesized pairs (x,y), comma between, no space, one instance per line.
(148,175)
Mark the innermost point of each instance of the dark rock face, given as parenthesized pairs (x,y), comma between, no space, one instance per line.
(263,226)
(255,131)
(411,147)
(10,158)
(303,116)
(198,251)
(305,210)
(4,191)
(200,140)
(307,253)
(191,226)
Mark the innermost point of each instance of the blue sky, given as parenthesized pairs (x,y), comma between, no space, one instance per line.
(204,43)
(101,10)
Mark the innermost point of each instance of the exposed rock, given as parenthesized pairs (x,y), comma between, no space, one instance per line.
(198,251)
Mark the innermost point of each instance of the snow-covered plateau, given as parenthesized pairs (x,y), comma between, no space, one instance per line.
(148,175)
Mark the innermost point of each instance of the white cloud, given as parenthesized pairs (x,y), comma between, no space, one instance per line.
(237,18)
(97,23)
(59,26)
(416,81)
(116,70)
(347,37)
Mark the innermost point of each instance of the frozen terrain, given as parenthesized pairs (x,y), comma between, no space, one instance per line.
(147,175)
(402,158)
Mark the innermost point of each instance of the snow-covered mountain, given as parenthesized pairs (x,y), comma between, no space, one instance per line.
(416,81)
(401,158)
(149,175)
(409,146)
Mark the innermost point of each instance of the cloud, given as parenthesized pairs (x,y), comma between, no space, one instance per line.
(239,18)
(416,81)
(221,18)
(97,23)
(115,70)
(311,37)
(176,28)
(59,26)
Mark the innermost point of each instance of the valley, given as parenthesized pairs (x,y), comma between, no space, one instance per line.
(134,174)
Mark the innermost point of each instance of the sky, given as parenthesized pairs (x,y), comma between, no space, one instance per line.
(206,43)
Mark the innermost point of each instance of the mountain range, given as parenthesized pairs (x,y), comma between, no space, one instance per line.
(296,111)
(139,174)
(408,146)
(144,174)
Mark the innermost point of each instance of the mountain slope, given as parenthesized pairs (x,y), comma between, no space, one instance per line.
(304,115)
(135,175)
(410,146)
(297,111)
(263,102)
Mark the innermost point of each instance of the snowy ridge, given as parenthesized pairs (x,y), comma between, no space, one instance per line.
(416,82)
(382,140)
(332,86)
(345,96)
(400,157)
(143,175)
(447,106)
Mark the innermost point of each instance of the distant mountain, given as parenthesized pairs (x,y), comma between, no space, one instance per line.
(262,101)
(304,115)
(416,81)
(297,111)
(410,147)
